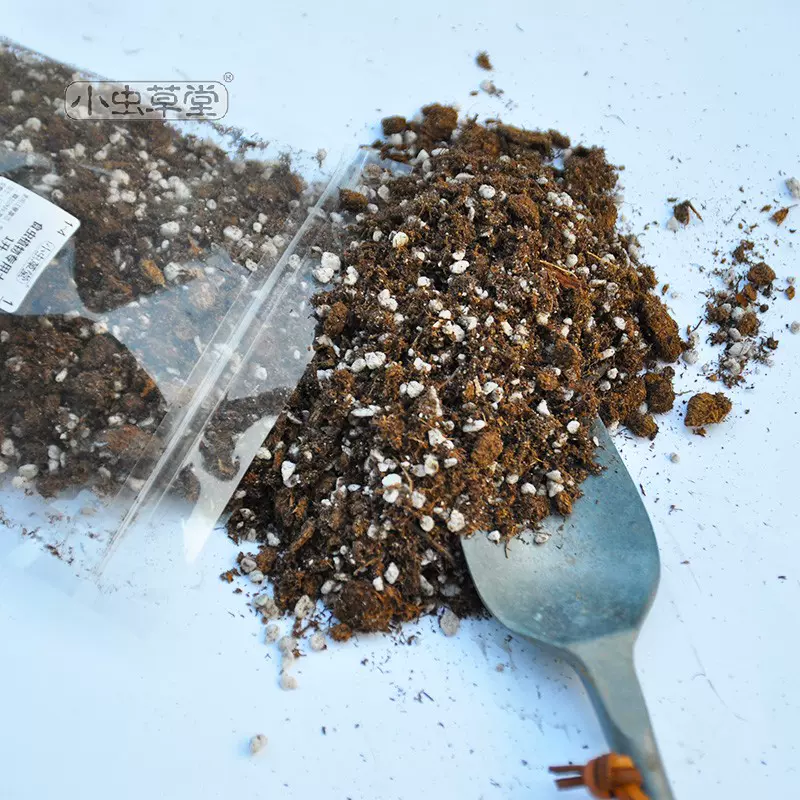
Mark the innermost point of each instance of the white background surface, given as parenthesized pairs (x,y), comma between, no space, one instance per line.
(153,686)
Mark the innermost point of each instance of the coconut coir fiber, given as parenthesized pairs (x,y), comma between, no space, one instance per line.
(485,312)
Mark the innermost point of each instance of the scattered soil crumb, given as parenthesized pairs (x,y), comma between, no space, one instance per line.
(643,425)
(735,312)
(707,409)
(780,215)
(393,125)
(352,201)
(681,212)
(660,392)
(483,61)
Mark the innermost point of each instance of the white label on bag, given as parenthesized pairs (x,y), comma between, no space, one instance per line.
(32,231)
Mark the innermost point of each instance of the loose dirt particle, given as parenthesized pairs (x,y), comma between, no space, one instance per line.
(660,393)
(761,274)
(363,607)
(661,329)
(483,61)
(681,212)
(734,313)
(393,125)
(642,425)
(352,201)
(707,409)
(439,122)
(780,215)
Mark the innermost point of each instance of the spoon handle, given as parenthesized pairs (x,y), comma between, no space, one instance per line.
(606,668)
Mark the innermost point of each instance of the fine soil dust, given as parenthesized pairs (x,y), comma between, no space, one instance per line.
(483,315)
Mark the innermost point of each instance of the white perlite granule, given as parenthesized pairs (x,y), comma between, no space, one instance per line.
(414,389)
(456,521)
(690,356)
(392,573)
(170,229)
(233,233)
(272,633)
(400,239)
(375,360)
(324,274)
(287,471)
(330,261)
(288,682)
(304,606)
(257,743)
(449,623)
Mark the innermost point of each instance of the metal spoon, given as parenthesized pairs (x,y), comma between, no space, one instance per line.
(584,595)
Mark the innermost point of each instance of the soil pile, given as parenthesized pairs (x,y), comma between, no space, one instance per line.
(485,312)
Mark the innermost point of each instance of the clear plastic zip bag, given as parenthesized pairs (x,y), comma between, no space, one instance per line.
(214,441)
(119,350)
